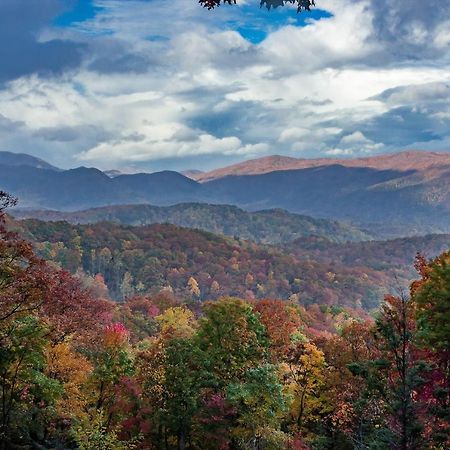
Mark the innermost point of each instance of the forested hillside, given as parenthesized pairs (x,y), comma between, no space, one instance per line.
(270,226)
(199,265)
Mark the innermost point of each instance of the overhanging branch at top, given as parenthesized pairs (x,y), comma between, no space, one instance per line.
(302,5)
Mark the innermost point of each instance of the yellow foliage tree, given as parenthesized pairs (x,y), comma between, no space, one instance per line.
(72,370)
(177,322)
(305,374)
(193,288)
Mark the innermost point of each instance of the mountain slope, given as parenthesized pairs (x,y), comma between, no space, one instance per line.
(401,161)
(87,187)
(360,195)
(270,226)
(23,159)
(149,258)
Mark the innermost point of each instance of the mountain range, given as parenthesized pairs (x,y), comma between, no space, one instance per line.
(269,227)
(390,195)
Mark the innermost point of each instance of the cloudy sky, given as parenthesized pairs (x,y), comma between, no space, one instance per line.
(165,84)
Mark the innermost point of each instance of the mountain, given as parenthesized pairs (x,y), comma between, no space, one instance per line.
(22,159)
(401,161)
(390,199)
(147,259)
(88,187)
(270,226)
(402,194)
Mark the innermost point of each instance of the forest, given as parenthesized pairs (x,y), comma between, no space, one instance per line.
(198,265)
(172,369)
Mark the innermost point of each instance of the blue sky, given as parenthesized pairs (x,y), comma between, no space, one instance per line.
(143,85)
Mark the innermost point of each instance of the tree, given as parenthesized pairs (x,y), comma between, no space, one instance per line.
(214,421)
(305,373)
(192,288)
(260,404)
(350,413)
(112,361)
(182,385)
(176,322)
(402,371)
(26,392)
(431,295)
(232,339)
(281,320)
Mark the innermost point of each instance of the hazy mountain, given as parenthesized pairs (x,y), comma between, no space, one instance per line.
(363,196)
(87,187)
(22,159)
(402,194)
(401,161)
(271,226)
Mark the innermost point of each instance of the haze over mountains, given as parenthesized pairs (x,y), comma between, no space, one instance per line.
(399,194)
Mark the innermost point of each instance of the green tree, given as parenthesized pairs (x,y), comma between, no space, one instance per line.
(26,393)
(181,386)
(402,371)
(261,406)
(432,296)
(232,339)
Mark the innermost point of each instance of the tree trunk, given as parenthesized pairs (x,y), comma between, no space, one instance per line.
(182,440)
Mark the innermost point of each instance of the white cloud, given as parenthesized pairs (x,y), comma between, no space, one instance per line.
(355,138)
(355,143)
(150,149)
(209,91)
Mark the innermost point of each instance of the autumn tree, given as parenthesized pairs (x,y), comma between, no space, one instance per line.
(431,295)
(192,288)
(72,371)
(305,375)
(281,320)
(112,361)
(178,322)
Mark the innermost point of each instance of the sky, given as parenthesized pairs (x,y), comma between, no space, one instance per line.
(165,84)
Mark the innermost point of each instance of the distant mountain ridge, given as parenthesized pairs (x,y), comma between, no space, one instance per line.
(83,187)
(23,159)
(402,161)
(271,226)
